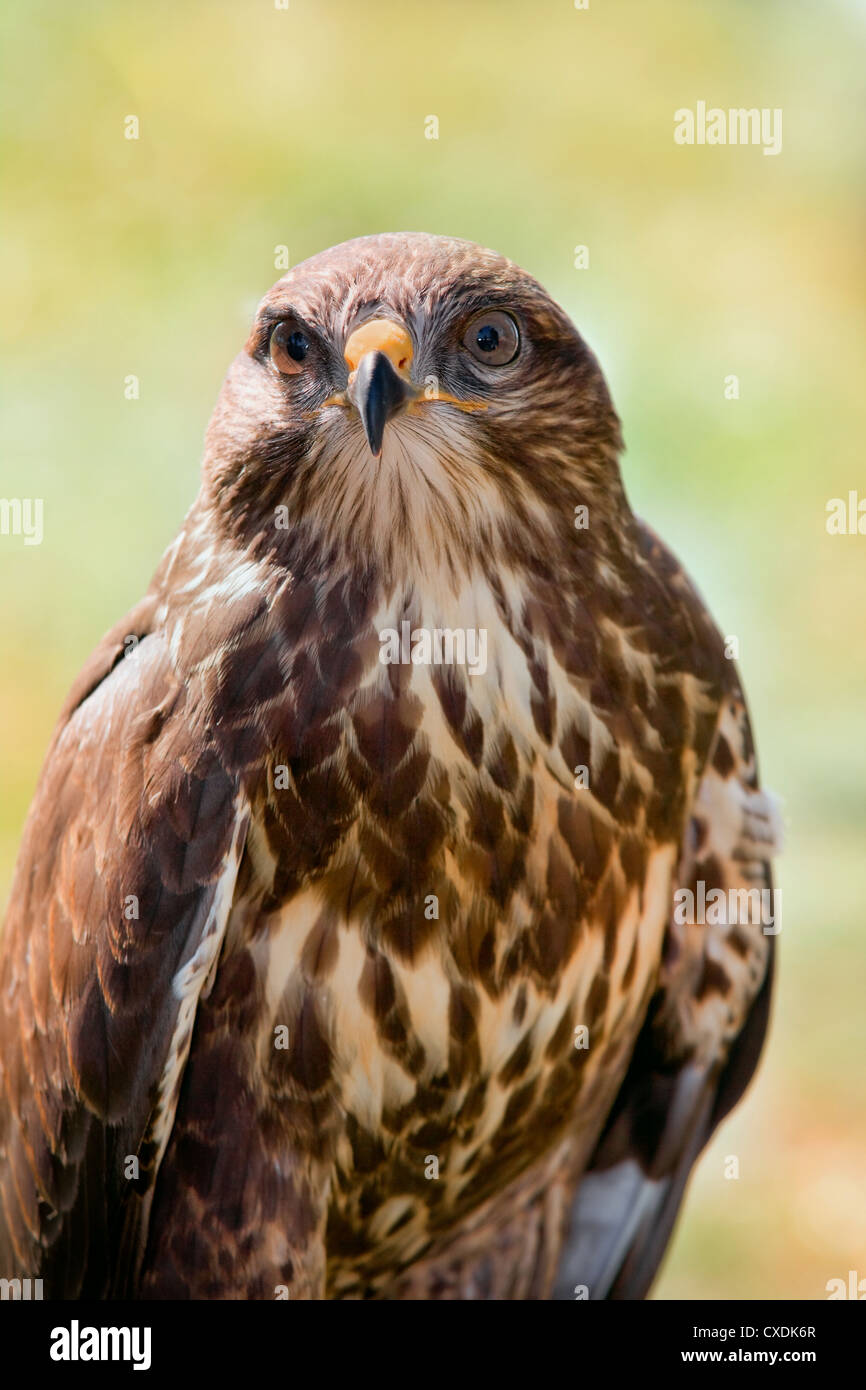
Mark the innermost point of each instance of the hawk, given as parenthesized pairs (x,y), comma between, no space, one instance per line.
(335,968)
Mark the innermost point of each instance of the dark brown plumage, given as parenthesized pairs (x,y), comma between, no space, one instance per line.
(293,928)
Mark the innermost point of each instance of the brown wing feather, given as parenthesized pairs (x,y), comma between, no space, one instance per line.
(699,1046)
(129,832)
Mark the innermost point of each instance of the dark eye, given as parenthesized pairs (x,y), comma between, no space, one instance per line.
(288,348)
(492,338)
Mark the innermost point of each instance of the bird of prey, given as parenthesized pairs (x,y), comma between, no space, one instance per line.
(338,964)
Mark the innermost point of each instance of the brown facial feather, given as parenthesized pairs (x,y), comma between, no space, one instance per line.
(388,867)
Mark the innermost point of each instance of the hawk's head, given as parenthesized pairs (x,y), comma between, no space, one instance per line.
(412,397)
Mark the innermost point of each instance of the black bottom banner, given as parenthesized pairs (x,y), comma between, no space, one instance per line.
(59,1340)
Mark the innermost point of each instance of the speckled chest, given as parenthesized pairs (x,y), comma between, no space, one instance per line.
(465,976)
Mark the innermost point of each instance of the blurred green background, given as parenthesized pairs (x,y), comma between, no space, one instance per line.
(261,127)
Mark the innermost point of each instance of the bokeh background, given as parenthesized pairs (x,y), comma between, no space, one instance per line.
(262,127)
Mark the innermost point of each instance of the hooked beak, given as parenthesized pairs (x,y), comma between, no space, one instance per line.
(379,354)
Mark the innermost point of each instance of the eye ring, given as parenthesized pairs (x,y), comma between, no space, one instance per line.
(492,338)
(288,348)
